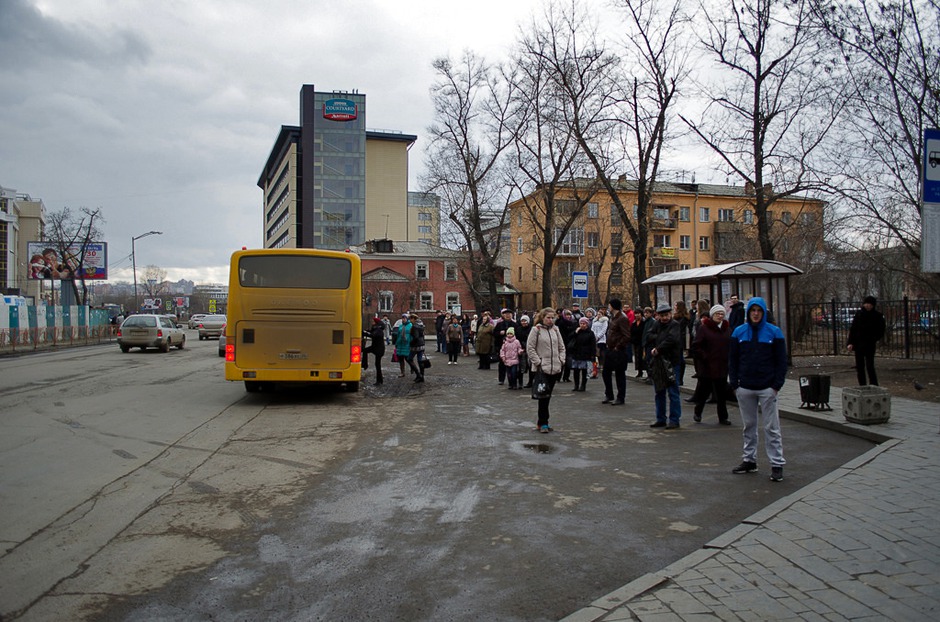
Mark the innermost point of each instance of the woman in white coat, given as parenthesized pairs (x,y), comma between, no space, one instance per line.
(546,351)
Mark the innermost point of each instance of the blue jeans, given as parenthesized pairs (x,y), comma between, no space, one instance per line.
(675,404)
(748,402)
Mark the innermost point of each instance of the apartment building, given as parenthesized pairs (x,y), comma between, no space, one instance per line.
(691,225)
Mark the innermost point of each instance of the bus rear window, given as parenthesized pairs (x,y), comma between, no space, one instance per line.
(294,272)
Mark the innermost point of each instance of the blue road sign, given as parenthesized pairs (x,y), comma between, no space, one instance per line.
(931,175)
(579,284)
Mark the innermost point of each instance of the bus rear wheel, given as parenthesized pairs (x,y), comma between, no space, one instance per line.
(352,387)
(252,386)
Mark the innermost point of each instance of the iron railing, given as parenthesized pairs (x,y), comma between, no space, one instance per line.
(912,328)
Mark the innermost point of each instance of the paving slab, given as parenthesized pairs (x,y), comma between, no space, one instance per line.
(860,543)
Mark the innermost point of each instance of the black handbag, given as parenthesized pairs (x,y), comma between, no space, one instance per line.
(425,363)
(540,386)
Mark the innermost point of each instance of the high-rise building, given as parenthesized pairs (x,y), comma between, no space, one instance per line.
(329,182)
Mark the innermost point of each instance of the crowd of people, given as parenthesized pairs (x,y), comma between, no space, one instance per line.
(736,351)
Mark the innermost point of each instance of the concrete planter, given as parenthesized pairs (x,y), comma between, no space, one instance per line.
(866,405)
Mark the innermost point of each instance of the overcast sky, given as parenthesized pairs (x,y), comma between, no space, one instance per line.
(163,113)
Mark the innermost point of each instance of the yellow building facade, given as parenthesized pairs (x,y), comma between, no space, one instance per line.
(690,226)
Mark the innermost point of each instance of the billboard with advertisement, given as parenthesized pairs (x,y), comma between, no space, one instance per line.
(48,261)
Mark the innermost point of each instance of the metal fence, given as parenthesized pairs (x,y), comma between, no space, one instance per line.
(24,339)
(912,328)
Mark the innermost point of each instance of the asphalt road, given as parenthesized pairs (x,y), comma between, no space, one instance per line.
(405,501)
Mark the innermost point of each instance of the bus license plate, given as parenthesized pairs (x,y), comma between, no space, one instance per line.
(292,356)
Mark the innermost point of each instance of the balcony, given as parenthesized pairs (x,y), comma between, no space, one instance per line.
(661,224)
(663,252)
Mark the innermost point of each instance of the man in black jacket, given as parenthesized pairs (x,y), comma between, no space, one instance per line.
(868,327)
(666,339)
(377,348)
(615,363)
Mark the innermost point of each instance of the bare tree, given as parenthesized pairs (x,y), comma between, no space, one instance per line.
(155,282)
(767,113)
(472,104)
(547,154)
(620,121)
(889,58)
(71,234)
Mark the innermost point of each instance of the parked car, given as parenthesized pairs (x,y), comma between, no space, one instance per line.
(222,343)
(148,330)
(930,320)
(194,319)
(211,326)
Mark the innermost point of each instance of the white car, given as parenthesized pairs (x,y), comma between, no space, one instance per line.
(147,330)
(194,319)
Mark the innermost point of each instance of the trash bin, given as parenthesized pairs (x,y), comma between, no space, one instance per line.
(814,391)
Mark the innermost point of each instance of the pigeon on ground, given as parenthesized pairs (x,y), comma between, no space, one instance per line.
(918,386)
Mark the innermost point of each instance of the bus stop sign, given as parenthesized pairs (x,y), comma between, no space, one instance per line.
(579,284)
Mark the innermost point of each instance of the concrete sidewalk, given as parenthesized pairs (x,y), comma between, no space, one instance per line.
(862,543)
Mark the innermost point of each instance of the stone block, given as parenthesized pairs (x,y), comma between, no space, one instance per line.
(866,405)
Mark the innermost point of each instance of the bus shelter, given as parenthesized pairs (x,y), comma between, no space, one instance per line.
(765,278)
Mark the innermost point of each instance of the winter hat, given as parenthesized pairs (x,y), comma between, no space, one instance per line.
(511,331)
(663,308)
(526,318)
(584,320)
(376,320)
(870,300)
(716,309)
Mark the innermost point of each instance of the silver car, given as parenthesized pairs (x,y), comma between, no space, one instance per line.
(147,330)
(211,326)
(194,319)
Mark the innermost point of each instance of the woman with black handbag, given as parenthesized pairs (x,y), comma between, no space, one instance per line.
(546,351)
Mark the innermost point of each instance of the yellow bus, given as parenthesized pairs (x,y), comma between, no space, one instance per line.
(294,316)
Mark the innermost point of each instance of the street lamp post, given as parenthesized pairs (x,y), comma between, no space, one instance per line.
(134,262)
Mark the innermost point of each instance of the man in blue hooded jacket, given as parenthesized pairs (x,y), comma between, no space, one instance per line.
(757,367)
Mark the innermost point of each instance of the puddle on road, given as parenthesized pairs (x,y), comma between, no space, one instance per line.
(539,448)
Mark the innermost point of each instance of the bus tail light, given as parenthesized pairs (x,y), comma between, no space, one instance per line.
(355,351)
(229,351)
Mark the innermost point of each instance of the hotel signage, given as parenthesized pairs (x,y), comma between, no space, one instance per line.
(340,110)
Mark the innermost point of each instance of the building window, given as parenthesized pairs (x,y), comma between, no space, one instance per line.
(519,246)
(726,215)
(386,302)
(520,275)
(421,270)
(424,216)
(748,217)
(685,242)
(685,266)
(592,210)
(703,243)
(616,274)
(427,301)
(661,240)
(594,269)
(616,243)
(535,272)
(453,300)
(593,239)
(615,220)
(684,214)
(704,265)
(787,218)
(704,214)
(450,271)
(424,229)
(573,242)
(519,218)
(806,219)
